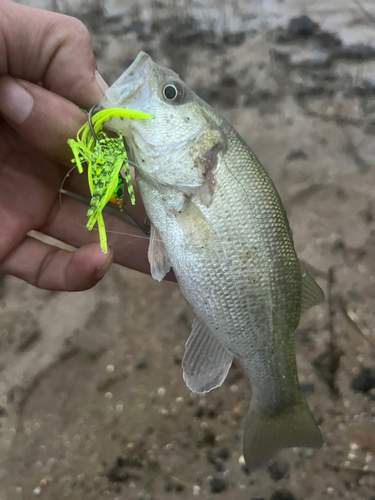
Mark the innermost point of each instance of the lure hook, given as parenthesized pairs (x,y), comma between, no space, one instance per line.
(91,113)
(144,227)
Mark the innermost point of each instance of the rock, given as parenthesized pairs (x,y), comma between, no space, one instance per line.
(301,27)
(211,457)
(296,154)
(174,485)
(307,388)
(200,412)
(142,364)
(219,467)
(328,41)
(358,52)
(282,495)
(364,381)
(218,485)
(223,454)
(338,246)
(278,470)
(118,473)
(234,39)
(363,435)
(310,57)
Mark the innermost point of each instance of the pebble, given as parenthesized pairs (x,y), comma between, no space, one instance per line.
(307,388)
(278,470)
(296,154)
(282,495)
(142,365)
(298,27)
(196,490)
(223,454)
(364,381)
(358,52)
(199,413)
(217,485)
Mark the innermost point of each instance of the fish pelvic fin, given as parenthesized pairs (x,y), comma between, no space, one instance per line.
(266,434)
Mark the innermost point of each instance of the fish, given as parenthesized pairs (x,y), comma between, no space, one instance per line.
(218,221)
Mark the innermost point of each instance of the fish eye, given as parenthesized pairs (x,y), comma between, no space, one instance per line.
(172,91)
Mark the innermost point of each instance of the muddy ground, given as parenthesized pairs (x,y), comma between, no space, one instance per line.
(92,401)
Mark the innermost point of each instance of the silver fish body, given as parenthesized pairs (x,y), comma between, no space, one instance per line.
(218,221)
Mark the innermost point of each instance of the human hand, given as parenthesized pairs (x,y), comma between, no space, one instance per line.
(47,73)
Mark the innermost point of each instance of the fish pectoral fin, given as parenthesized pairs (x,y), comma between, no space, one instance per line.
(312,294)
(206,363)
(157,256)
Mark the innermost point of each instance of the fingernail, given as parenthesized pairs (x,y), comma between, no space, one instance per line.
(16,102)
(100,271)
(100,81)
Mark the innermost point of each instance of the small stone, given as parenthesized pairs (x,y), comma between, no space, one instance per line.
(278,470)
(196,490)
(358,52)
(364,381)
(142,364)
(46,480)
(219,467)
(296,154)
(307,388)
(217,485)
(109,368)
(37,490)
(338,246)
(223,454)
(3,412)
(200,412)
(302,26)
(210,455)
(282,495)
(298,27)
(161,391)
(209,437)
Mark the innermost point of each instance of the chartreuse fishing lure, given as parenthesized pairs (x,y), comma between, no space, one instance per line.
(107,164)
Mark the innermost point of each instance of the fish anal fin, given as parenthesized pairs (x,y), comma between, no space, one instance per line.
(157,256)
(312,294)
(206,363)
(265,434)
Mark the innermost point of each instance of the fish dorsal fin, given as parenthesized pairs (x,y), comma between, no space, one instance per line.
(312,294)
(157,256)
(206,363)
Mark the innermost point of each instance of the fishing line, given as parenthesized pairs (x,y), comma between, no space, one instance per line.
(61,190)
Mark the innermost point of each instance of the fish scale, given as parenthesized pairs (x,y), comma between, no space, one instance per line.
(221,225)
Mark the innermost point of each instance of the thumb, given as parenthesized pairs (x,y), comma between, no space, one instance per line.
(54,49)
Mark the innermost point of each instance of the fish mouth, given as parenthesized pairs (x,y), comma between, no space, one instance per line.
(132,89)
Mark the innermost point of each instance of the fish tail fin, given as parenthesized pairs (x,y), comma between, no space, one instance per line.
(266,434)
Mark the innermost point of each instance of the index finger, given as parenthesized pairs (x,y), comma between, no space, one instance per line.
(41,46)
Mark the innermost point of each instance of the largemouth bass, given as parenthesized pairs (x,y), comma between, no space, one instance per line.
(217,219)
